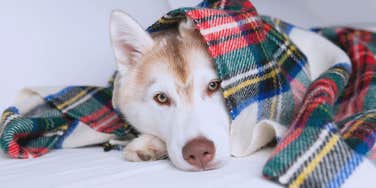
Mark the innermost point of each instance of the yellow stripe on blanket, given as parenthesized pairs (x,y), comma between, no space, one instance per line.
(246,83)
(312,165)
(287,54)
(357,124)
(166,21)
(73,99)
(5,116)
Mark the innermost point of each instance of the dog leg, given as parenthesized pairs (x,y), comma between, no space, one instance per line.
(145,148)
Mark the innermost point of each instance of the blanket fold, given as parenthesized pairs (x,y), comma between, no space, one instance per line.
(61,117)
(325,128)
(335,129)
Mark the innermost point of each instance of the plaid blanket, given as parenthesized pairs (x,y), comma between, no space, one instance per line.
(334,132)
(331,121)
(62,117)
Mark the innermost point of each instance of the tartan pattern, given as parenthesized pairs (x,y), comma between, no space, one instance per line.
(335,129)
(332,120)
(46,126)
(255,62)
(90,105)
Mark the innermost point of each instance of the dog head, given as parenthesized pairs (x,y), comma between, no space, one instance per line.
(167,86)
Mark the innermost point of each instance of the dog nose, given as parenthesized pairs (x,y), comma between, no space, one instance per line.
(199,152)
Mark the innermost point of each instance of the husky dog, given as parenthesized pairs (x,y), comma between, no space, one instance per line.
(168,89)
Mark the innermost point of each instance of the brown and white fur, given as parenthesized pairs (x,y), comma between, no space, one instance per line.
(174,63)
(167,89)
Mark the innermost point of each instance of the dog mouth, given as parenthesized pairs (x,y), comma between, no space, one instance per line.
(209,167)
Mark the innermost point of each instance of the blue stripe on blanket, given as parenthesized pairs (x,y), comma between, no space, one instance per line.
(71,128)
(13,109)
(345,172)
(236,111)
(60,93)
(346,66)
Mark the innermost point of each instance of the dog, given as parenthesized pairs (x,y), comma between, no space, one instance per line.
(168,89)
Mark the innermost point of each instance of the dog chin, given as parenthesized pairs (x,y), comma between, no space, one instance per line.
(215,164)
(211,166)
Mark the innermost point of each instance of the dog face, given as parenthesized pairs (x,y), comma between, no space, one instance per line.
(167,87)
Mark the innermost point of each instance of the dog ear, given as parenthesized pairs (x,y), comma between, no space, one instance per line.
(129,40)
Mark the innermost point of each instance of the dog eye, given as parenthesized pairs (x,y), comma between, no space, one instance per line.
(162,99)
(213,86)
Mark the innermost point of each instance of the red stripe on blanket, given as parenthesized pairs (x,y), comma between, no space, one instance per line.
(202,13)
(93,117)
(36,152)
(323,86)
(234,44)
(111,117)
(13,149)
(363,66)
(297,127)
(292,135)
(298,90)
(225,19)
(116,124)
(365,70)
(254,27)
(318,97)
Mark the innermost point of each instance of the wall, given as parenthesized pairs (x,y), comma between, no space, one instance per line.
(61,42)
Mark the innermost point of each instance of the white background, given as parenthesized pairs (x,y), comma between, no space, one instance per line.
(64,42)
(61,42)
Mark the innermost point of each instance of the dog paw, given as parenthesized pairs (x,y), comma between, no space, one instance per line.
(145,148)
